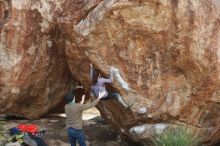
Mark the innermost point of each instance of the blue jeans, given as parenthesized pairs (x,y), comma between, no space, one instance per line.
(76,134)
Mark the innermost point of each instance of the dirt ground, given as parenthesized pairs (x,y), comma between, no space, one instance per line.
(97,131)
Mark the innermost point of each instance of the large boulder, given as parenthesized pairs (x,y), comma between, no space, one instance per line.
(167,59)
(166,55)
(34,74)
(33,71)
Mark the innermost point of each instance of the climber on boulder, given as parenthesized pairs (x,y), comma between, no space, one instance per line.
(74,117)
(98,84)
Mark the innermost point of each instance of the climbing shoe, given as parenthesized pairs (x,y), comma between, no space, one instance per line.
(128,105)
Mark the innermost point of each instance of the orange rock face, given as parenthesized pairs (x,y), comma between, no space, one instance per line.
(34,74)
(167,53)
(33,70)
(166,56)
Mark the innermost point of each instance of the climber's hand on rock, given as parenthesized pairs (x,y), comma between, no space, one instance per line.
(112,69)
(91,65)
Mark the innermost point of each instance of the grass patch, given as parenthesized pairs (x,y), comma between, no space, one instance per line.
(178,136)
(2,138)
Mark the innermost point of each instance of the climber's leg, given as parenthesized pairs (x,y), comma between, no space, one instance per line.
(119,99)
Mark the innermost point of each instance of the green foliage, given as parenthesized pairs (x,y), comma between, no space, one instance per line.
(178,136)
(1,127)
(1,132)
